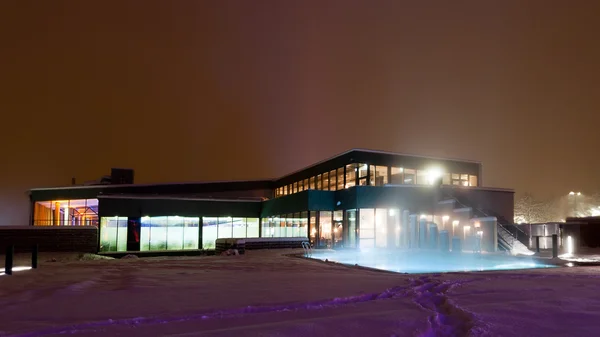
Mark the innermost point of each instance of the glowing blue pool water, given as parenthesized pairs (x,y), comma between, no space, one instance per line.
(414,262)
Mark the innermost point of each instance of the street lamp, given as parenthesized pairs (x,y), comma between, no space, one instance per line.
(575,195)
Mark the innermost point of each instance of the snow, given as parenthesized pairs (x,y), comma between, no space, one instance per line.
(267,293)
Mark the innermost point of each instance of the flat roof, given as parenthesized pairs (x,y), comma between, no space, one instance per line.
(160,197)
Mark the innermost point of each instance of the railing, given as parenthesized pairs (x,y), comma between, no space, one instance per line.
(506,239)
(307,249)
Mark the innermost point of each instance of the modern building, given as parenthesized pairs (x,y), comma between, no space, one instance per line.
(357,199)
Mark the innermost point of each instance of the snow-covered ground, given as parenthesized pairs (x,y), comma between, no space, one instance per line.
(265,293)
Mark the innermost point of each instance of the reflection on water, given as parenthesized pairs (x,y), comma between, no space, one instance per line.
(414,261)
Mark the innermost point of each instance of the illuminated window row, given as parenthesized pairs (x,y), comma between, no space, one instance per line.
(175,232)
(291,225)
(374,175)
(76,212)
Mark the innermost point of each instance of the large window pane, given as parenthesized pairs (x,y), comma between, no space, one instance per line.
(209,232)
(351,175)
(351,223)
(332,180)
(326,181)
(340,178)
(303,232)
(311,183)
(313,227)
(473,181)
(410,176)
(239,228)
(108,234)
(379,175)
(319,182)
(75,212)
(296,225)
(225,230)
(362,170)
(381,230)
(157,236)
(367,228)
(252,227)
(191,232)
(397,175)
(422,177)
(325,228)
(175,233)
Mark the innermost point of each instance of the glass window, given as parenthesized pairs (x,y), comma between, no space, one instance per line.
(280,229)
(113,234)
(75,212)
(325,228)
(295,225)
(175,233)
(313,227)
(225,230)
(381,230)
(209,232)
(319,182)
(289,224)
(301,186)
(332,180)
(379,175)
(340,178)
(191,230)
(252,227)
(422,177)
(362,170)
(351,175)
(153,234)
(351,236)
(396,175)
(367,228)
(239,227)
(446,180)
(305,184)
(303,230)
(311,182)
(473,181)
(266,228)
(295,187)
(409,176)
(326,181)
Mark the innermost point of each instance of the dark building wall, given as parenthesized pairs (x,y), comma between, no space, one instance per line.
(242,189)
(493,202)
(50,239)
(158,207)
(311,200)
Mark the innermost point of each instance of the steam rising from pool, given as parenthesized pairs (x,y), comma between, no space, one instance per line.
(418,261)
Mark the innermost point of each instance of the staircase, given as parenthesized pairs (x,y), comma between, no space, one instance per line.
(506,240)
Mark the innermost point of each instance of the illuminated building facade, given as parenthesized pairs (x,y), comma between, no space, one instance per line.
(357,199)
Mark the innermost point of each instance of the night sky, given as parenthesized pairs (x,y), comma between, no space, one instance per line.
(204,90)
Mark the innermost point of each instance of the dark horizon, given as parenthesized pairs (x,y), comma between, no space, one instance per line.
(230,90)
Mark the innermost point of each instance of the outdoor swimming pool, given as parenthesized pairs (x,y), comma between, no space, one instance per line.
(414,262)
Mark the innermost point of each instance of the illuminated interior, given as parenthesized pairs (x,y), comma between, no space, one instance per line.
(214,228)
(113,234)
(291,225)
(376,175)
(75,212)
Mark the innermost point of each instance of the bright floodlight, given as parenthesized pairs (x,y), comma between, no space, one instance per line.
(578,193)
(433,174)
(572,193)
(445,218)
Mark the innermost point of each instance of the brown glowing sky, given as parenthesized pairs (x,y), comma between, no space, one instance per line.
(202,90)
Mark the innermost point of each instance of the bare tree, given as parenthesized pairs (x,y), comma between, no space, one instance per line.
(530,210)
